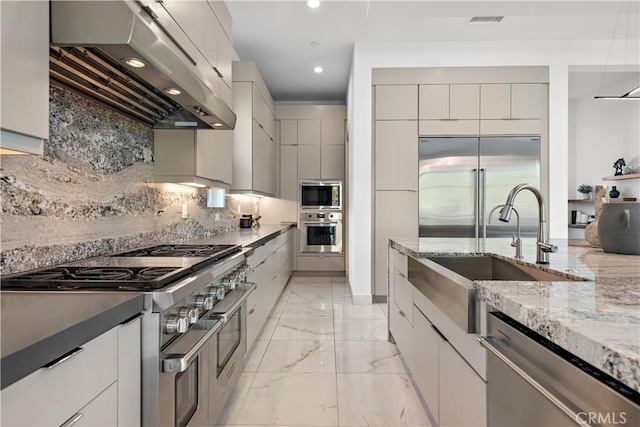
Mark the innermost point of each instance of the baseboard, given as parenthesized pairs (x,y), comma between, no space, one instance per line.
(379,299)
(361,299)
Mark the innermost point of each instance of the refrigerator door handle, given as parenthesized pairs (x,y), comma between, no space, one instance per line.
(476,205)
(483,202)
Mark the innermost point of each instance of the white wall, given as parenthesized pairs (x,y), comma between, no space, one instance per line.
(558,55)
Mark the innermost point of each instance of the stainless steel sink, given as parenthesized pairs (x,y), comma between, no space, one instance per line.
(491,268)
(447,281)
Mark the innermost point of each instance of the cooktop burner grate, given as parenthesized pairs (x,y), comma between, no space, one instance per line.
(96,278)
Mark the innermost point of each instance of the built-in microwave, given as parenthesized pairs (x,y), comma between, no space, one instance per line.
(320,195)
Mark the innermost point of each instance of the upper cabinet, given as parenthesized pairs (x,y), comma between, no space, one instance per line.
(449,109)
(24,76)
(255,148)
(200,157)
(396,102)
(512,109)
(208,25)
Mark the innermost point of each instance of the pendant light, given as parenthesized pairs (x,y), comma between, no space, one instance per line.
(634,93)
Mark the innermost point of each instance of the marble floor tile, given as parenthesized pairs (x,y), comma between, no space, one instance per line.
(277,310)
(360,330)
(310,279)
(288,399)
(342,299)
(299,356)
(351,311)
(304,296)
(303,329)
(368,357)
(259,347)
(339,280)
(379,400)
(318,309)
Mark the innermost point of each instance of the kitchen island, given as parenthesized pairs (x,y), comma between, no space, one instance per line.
(597,320)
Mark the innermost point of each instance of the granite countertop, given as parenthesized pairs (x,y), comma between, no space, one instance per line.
(597,320)
(247,237)
(38,327)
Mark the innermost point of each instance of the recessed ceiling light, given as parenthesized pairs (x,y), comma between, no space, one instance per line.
(172,91)
(313,3)
(318,70)
(135,62)
(314,44)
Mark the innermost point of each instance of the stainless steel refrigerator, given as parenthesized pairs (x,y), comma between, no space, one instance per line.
(462,179)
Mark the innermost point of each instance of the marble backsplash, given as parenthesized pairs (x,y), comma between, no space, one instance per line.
(92,192)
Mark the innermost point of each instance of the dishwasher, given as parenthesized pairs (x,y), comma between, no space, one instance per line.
(534,382)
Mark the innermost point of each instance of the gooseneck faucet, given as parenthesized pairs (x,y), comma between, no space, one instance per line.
(542,244)
(517,241)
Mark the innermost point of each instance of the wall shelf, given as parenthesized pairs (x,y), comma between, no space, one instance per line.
(578,225)
(580,200)
(621,177)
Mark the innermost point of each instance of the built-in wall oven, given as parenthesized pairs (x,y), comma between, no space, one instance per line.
(320,232)
(321,195)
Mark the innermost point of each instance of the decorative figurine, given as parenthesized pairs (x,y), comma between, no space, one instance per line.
(618,166)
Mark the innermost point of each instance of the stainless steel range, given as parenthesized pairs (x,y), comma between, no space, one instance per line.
(194,323)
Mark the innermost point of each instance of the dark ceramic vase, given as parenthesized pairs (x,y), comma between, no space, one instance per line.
(619,228)
(614,193)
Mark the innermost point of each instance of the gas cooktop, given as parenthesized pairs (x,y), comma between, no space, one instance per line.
(144,269)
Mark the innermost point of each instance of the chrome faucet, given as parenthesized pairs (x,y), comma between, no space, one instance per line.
(542,244)
(517,242)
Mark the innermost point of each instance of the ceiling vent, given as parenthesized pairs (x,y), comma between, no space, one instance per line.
(485,19)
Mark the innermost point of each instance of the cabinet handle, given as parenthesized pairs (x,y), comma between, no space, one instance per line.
(131,320)
(401,313)
(251,311)
(442,337)
(261,127)
(71,421)
(218,72)
(63,358)
(486,343)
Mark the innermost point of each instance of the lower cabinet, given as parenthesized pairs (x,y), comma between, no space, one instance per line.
(445,380)
(274,262)
(98,384)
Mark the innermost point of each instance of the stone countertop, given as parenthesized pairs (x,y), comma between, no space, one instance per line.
(247,237)
(38,327)
(597,320)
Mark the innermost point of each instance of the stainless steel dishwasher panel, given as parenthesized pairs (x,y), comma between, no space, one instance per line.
(533,382)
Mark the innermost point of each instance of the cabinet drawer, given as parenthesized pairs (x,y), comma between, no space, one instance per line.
(399,261)
(448,127)
(58,391)
(403,295)
(510,127)
(402,333)
(101,411)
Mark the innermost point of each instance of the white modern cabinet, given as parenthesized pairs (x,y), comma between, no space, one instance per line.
(332,131)
(255,149)
(309,132)
(332,161)
(511,109)
(396,102)
(309,161)
(289,172)
(288,132)
(426,354)
(272,264)
(98,385)
(396,155)
(194,156)
(400,323)
(208,25)
(24,76)
(449,109)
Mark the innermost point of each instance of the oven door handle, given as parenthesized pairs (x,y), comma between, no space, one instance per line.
(224,317)
(320,223)
(180,362)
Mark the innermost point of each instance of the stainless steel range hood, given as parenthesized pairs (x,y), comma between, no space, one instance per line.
(96,45)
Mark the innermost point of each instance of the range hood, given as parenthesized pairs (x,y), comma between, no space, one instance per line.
(132,56)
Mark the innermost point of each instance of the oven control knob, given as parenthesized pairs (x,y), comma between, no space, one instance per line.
(216,292)
(176,324)
(190,313)
(229,282)
(204,302)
